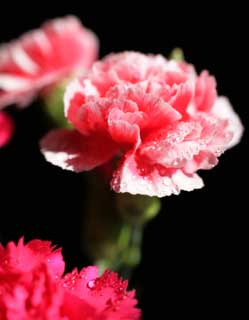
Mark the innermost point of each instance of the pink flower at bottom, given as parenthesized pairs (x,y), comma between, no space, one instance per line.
(158,117)
(104,297)
(32,288)
(6,128)
(28,281)
(21,258)
(42,57)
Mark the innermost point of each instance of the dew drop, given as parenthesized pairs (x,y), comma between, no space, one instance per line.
(176,163)
(166,182)
(91,284)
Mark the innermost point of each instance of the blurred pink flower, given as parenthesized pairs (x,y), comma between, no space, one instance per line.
(32,287)
(103,297)
(162,120)
(6,128)
(23,258)
(41,57)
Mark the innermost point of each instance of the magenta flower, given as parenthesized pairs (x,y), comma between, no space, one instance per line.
(22,258)
(104,297)
(32,287)
(6,128)
(41,57)
(158,117)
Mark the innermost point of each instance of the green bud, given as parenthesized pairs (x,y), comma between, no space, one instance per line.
(177,54)
(54,105)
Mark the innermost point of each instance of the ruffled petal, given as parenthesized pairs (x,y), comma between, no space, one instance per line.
(70,150)
(123,127)
(224,110)
(139,178)
(205,92)
(104,297)
(41,57)
(173,146)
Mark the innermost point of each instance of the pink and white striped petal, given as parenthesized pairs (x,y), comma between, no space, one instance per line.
(136,178)
(70,150)
(42,57)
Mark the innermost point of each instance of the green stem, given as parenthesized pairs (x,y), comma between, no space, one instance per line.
(113,226)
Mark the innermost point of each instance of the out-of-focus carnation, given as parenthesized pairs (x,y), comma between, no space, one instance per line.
(42,57)
(104,297)
(6,128)
(158,117)
(20,258)
(32,288)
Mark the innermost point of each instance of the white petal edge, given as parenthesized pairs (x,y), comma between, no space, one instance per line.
(125,180)
(85,88)
(224,110)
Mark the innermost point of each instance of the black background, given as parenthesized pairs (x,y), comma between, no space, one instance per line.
(193,252)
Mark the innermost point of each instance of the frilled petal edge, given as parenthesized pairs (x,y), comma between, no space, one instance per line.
(71,150)
(131,177)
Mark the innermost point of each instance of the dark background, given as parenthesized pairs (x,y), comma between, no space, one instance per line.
(193,252)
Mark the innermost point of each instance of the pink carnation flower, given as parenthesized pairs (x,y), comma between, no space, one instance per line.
(99,298)
(32,287)
(28,281)
(22,258)
(162,120)
(41,57)
(6,128)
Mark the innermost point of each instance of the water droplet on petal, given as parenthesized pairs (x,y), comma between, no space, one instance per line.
(166,182)
(91,284)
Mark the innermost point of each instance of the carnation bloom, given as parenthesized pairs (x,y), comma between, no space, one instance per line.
(158,117)
(103,297)
(6,128)
(23,258)
(41,57)
(32,287)
(28,281)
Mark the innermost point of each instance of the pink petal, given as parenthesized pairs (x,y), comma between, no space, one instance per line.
(205,92)
(136,178)
(124,132)
(41,57)
(155,111)
(104,297)
(205,160)
(84,90)
(6,128)
(86,113)
(182,98)
(88,117)
(224,110)
(173,146)
(22,257)
(123,127)
(70,150)
(159,114)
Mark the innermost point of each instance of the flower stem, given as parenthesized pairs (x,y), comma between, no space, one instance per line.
(113,226)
